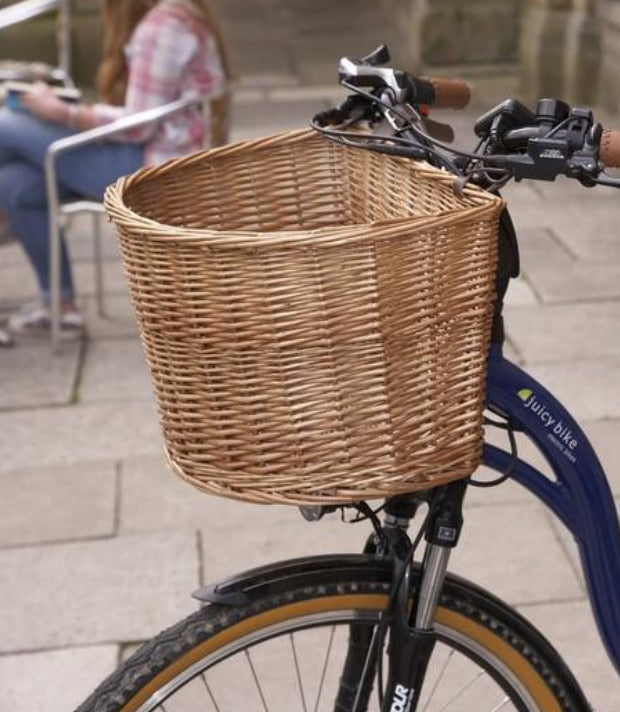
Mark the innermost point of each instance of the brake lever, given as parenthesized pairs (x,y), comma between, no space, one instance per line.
(436,129)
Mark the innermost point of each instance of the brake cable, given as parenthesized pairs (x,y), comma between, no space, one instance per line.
(362,141)
(514,459)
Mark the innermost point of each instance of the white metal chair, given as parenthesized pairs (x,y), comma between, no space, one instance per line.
(16,14)
(59,212)
(27,10)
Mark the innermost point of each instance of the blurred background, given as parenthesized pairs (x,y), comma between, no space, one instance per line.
(567,48)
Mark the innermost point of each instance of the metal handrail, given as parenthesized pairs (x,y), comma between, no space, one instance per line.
(62,145)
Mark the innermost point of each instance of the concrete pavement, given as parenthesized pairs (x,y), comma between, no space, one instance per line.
(100,546)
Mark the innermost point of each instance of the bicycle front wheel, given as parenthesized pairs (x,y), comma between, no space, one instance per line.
(281,638)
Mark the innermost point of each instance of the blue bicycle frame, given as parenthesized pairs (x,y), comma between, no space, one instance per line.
(580,496)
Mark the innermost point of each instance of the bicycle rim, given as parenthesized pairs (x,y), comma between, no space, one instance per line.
(282,654)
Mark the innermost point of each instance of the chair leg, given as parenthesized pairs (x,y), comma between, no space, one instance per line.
(56,232)
(98,264)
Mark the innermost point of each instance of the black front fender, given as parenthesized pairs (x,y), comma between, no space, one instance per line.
(283,575)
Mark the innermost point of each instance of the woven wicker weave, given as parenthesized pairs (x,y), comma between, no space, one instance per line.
(316,319)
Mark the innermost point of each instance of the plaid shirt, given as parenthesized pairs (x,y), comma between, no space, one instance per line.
(170,55)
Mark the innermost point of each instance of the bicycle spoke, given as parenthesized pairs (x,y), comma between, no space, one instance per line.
(298,672)
(442,672)
(324,672)
(501,705)
(208,689)
(255,676)
(375,641)
(462,690)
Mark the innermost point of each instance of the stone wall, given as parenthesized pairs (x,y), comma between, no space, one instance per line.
(461,33)
(609,82)
(567,48)
(564,48)
(560,49)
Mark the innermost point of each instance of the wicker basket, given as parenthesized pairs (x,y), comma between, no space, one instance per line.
(316,319)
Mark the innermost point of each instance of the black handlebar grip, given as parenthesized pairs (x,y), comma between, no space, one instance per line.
(450,93)
(609,152)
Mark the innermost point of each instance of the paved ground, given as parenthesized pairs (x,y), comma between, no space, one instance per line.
(100,546)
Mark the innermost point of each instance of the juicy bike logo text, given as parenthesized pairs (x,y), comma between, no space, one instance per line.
(561,436)
(401,702)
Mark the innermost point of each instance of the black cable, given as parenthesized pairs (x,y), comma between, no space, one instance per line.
(407,119)
(354,139)
(513,451)
(366,512)
(409,126)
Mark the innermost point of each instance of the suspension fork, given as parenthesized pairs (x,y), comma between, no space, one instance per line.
(412,634)
(410,626)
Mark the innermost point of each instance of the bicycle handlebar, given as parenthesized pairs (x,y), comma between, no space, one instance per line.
(450,93)
(405,88)
(610,148)
(515,142)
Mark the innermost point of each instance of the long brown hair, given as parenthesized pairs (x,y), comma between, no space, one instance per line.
(120,18)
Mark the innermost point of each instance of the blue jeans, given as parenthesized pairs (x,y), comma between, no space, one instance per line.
(83,172)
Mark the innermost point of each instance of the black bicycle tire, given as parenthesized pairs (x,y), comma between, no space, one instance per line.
(121,691)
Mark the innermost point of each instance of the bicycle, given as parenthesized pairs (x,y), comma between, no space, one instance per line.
(386,631)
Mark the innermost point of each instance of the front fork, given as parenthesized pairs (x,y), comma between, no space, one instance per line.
(411,627)
(412,633)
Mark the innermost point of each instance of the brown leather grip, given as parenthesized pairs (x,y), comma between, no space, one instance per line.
(450,93)
(609,152)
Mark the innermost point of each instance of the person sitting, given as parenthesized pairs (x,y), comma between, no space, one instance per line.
(155,51)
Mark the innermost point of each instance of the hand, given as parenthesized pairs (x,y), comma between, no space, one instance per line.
(43,103)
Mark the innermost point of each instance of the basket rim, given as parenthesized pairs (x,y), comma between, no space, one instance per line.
(123,216)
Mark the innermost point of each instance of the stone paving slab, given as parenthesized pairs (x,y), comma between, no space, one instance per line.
(563,203)
(330,94)
(569,544)
(264,538)
(565,332)
(115,370)
(122,589)
(54,436)
(54,680)
(520,294)
(256,120)
(58,503)
(524,565)
(80,242)
(591,237)
(148,485)
(31,377)
(118,321)
(12,255)
(19,283)
(557,276)
(114,279)
(603,435)
(571,629)
(520,564)
(564,191)
(589,389)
